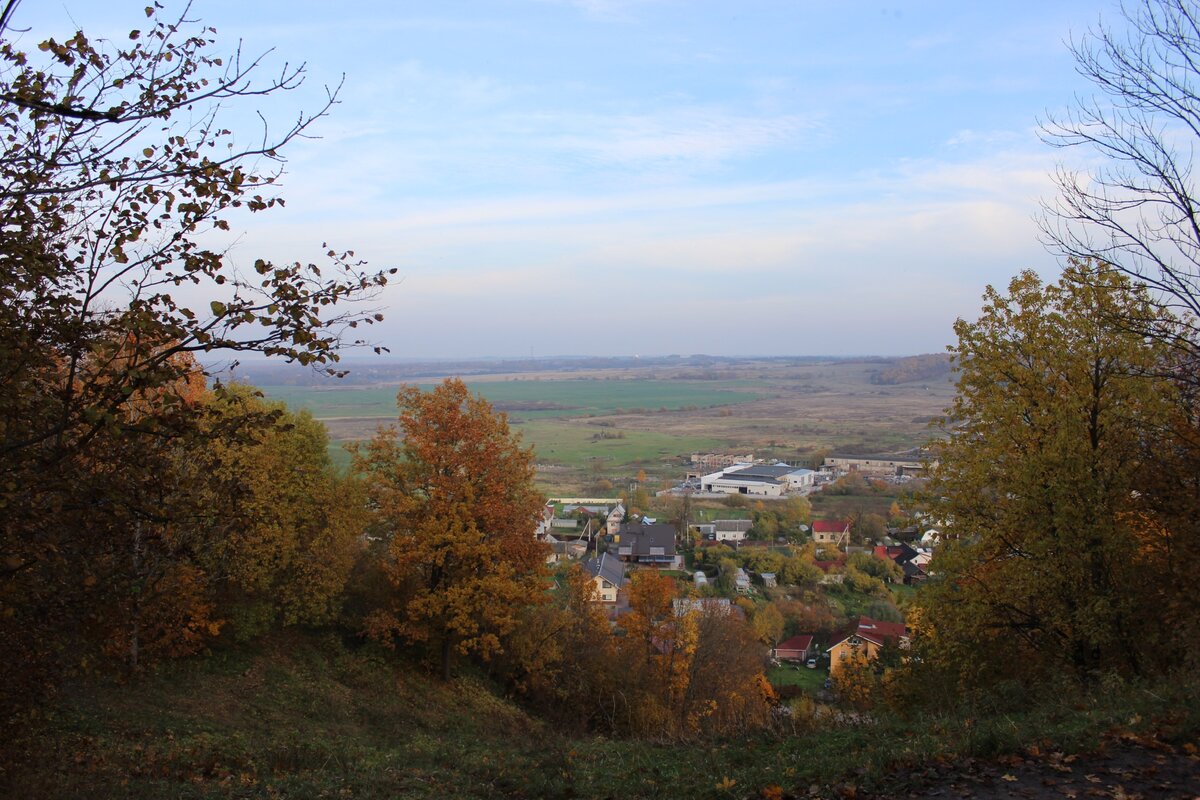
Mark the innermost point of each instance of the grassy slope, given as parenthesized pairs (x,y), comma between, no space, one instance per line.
(301,716)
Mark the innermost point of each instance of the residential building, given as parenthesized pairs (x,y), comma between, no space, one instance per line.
(797,648)
(731,530)
(615,518)
(608,576)
(866,640)
(646,544)
(834,532)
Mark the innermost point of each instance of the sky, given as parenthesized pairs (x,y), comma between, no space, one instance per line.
(621,177)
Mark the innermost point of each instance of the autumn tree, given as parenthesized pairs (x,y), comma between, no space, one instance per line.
(870,527)
(561,658)
(727,690)
(118,183)
(453,492)
(768,624)
(281,530)
(1039,472)
(1137,206)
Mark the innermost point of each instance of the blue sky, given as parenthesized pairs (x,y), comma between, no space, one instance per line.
(660,176)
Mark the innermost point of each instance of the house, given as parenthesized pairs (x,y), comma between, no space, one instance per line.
(797,648)
(768,579)
(907,559)
(646,544)
(731,530)
(608,576)
(543,526)
(757,479)
(831,531)
(615,518)
(865,641)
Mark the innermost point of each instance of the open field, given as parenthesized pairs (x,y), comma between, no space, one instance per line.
(527,398)
(611,423)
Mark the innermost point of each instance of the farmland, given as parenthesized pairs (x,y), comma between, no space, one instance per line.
(587,426)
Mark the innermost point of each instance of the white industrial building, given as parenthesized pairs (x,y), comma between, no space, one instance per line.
(762,480)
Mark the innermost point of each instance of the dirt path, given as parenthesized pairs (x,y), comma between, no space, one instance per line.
(1123,769)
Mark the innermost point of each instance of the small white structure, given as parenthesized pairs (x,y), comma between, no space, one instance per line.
(731,530)
(741,581)
(700,578)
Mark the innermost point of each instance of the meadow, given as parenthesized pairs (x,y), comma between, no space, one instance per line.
(531,398)
(609,424)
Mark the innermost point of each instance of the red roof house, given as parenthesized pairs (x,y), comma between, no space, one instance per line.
(796,648)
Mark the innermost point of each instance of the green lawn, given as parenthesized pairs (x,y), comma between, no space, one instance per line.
(808,679)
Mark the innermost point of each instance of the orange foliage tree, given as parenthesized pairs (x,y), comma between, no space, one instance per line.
(453,491)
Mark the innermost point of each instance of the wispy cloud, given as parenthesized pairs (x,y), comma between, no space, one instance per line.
(693,135)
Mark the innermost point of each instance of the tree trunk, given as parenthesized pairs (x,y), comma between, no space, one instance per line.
(135,615)
(446,651)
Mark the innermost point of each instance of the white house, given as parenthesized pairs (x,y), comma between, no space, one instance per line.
(731,530)
(608,576)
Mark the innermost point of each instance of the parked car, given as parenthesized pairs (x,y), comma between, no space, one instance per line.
(812,663)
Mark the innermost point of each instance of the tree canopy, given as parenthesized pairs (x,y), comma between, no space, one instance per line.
(453,492)
(1055,422)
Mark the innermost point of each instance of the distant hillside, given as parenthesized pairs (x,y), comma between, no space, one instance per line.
(925,368)
(384,371)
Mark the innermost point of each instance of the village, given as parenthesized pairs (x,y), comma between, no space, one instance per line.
(739,537)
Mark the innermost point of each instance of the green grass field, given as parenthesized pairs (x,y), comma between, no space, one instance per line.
(558,442)
(531,399)
(808,679)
